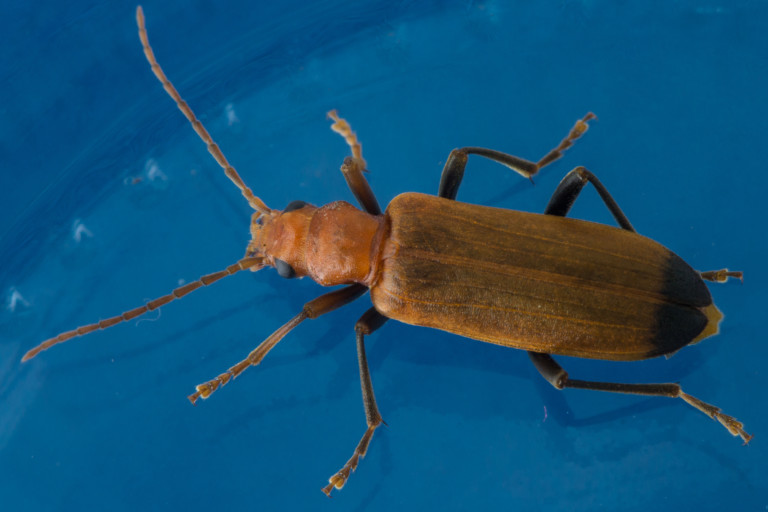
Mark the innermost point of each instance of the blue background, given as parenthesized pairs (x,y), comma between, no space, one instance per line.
(110,200)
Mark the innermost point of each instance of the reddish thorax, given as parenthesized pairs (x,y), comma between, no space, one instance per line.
(334,244)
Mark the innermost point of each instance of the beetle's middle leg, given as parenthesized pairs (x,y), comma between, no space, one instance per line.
(369,322)
(354,166)
(453,171)
(555,375)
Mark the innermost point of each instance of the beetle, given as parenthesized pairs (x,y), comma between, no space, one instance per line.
(543,283)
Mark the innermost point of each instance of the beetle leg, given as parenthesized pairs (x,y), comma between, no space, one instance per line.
(560,204)
(569,188)
(555,375)
(722,275)
(312,309)
(369,322)
(453,171)
(354,166)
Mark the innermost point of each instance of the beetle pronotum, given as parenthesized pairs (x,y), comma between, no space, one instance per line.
(546,284)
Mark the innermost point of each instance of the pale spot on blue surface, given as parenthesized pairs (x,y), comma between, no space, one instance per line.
(80,230)
(15,299)
(232,119)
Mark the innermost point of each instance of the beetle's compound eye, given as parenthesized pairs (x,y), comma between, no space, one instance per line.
(295,205)
(284,269)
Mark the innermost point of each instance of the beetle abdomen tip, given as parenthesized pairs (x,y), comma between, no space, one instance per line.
(714,317)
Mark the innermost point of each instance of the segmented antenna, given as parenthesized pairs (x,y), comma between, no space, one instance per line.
(213,148)
(243,264)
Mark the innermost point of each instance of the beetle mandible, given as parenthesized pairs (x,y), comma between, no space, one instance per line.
(546,284)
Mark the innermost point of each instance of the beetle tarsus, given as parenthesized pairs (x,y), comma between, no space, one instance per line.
(577,131)
(340,478)
(734,426)
(206,389)
(722,275)
(342,127)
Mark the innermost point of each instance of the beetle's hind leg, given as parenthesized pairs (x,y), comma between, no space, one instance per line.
(722,275)
(569,189)
(369,322)
(453,171)
(560,204)
(555,375)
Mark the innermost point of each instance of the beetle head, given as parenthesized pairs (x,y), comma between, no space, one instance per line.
(279,238)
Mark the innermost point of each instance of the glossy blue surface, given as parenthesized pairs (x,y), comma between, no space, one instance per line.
(111,200)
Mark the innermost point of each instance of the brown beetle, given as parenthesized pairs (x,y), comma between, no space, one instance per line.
(541,283)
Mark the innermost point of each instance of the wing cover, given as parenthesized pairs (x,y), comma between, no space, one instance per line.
(536,282)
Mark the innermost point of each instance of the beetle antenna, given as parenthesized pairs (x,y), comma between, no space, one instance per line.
(213,148)
(246,263)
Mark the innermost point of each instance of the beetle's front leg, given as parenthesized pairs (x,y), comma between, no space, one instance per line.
(555,375)
(369,322)
(312,309)
(354,166)
(453,171)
